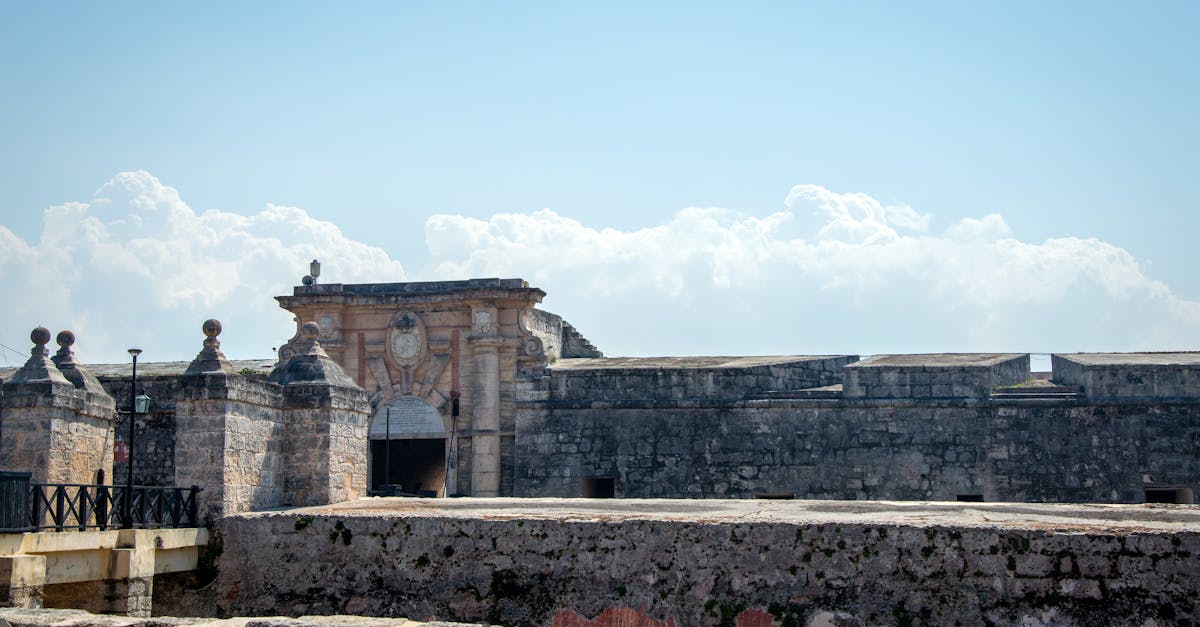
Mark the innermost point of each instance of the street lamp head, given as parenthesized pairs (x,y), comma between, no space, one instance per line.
(134,352)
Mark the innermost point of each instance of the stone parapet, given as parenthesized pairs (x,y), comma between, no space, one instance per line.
(61,618)
(688,378)
(569,562)
(1157,377)
(864,450)
(943,375)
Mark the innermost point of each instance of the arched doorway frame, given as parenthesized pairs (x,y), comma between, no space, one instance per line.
(400,450)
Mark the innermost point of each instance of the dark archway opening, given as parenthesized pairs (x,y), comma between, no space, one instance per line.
(415,466)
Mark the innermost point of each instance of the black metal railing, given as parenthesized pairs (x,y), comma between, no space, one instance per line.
(74,506)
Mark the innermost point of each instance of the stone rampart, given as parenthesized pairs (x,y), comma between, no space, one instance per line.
(608,380)
(965,375)
(915,450)
(564,563)
(1131,376)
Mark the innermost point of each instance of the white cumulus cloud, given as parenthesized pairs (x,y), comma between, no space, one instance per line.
(137,266)
(865,277)
(829,272)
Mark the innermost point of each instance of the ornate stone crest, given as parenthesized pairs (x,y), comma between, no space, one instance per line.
(406,341)
(482,322)
(329,325)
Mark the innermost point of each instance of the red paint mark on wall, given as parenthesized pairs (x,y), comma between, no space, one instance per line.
(362,361)
(612,617)
(755,618)
(454,361)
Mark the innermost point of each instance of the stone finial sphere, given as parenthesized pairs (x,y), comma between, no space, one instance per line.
(65,339)
(212,327)
(40,336)
(310,330)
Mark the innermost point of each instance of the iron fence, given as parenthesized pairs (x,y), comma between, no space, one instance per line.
(74,506)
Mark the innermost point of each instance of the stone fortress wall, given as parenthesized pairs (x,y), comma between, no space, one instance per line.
(523,406)
(521,415)
(906,427)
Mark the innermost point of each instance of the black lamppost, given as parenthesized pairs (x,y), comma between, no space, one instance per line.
(138,403)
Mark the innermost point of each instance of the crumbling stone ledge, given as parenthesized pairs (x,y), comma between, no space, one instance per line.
(568,562)
(13,617)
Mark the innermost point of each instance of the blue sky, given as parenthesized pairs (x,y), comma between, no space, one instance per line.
(1066,120)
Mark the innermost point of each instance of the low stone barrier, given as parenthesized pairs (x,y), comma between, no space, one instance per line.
(573,562)
(13,617)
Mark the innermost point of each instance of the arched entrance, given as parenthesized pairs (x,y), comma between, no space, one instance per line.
(408,448)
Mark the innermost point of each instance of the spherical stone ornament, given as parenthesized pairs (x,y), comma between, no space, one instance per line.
(310,330)
(212,327)
(40,336)
(65,339)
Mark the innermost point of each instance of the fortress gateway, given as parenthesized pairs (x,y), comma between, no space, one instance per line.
(489,396)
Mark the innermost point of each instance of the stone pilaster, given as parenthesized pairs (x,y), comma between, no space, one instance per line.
(485,416)
(229,432)
(325,436)
(59,429)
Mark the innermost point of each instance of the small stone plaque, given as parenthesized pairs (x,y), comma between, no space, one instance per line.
(408,415)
